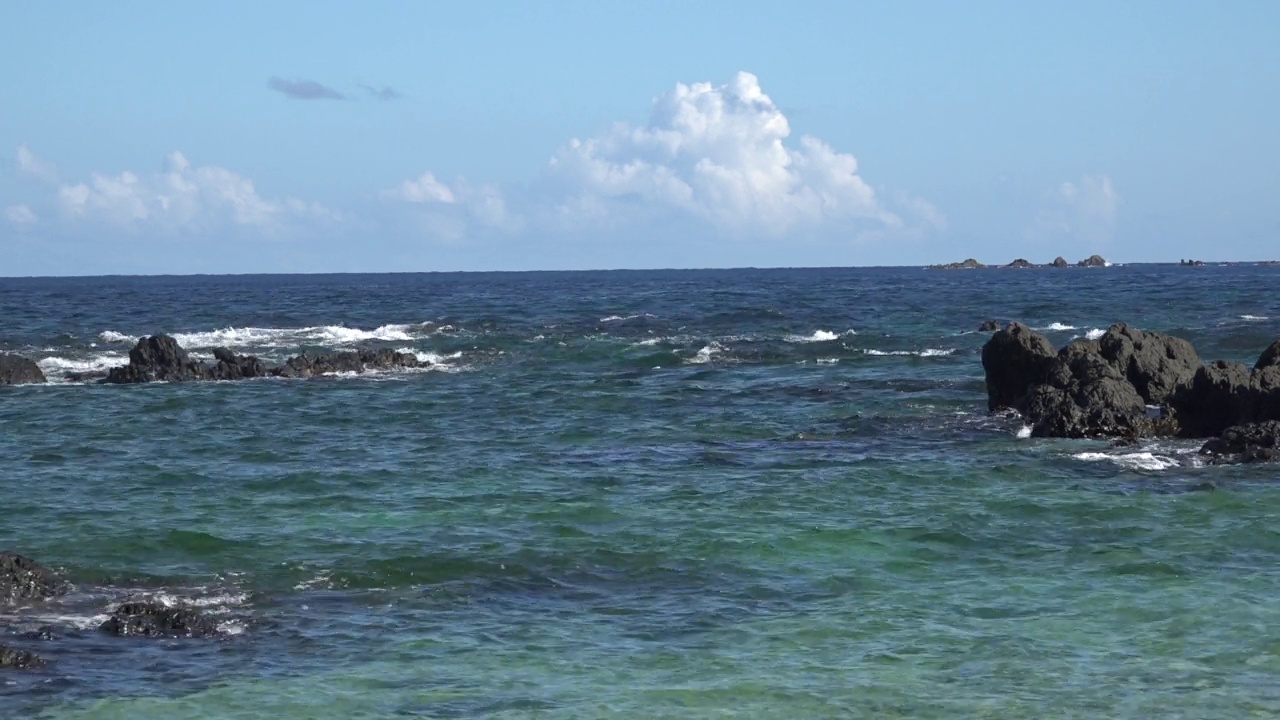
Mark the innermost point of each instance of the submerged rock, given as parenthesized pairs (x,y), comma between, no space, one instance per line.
(17,370)
(152,619)
(22,579)
(19,659)
(989,326)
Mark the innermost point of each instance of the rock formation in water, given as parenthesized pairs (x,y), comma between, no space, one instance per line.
(23,579)
(969,264)
(1131,383)
(160,357)
(12,659)
(989,326)
(1060,262)
(1093,261)
(17,370)
(152,619)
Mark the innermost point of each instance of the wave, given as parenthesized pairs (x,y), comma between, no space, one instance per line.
(624,318)
(325,335)
(704,355)
(1094,334)
(1057,327)
(1254,318)
(1132,461)
(59,366)
(927,352)
(818,336)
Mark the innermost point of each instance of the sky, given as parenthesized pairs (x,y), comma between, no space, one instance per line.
(179,137)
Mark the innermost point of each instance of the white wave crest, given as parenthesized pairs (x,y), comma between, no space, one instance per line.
(705,355)
(111,336)
(1095,334)
(927,352)
(1254,318)
(818,336)
(1057,326)
(1133,461)
(616,318)
(828,361)
(58,366)
(1024,432)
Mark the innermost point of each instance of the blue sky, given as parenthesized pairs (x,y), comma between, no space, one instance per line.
(305,137)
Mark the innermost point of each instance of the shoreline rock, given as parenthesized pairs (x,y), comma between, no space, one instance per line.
(23,579)
(17,370)
(1131,383)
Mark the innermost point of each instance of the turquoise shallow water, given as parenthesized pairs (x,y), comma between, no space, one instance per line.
(653,494)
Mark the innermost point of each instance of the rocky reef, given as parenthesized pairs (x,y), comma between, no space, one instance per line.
(1022,263)
(159,358)
(1129,384)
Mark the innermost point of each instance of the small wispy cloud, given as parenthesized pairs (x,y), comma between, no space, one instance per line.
(30,164)
(386,92)
(20,215)
(304,89)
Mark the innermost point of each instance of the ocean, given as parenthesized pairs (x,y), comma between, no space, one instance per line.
(630,494)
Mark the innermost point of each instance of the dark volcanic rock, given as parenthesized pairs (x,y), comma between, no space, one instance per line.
(22,579)
(19,659)
(1015,358)
(1156,364)
(237,367)
(1269,357)
(1093,261)
(311,365)
(1060,262)
(969,264)
(1083,395)
(17,370)
(158,357)
(1218,397)
(150,619)
(1258,442)
(1020,263)
(989,326)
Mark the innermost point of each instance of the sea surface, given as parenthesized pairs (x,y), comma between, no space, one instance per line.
(659,494)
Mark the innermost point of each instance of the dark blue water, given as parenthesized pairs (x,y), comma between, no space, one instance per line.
(736,493)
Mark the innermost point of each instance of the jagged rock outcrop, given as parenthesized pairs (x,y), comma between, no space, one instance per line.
(989,326)
(1021,263)
(17,370)
(152,619)
(1110,387)
(12,659)
(1093,261)
(1015,358)
(1256,442)
(309,365)
(1060,262)
(969,264)
(23,579)
(161,358)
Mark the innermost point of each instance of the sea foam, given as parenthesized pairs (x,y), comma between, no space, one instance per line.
(1133,461)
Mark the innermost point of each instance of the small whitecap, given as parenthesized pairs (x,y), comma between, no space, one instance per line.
(1254,318)
(1024,432)
(1133,461)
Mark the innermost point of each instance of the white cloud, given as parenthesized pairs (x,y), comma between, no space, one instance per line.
(710,156)
(20,215)
(181,195)
(31,164)
(1084,210)
(424,189)
(718,153)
